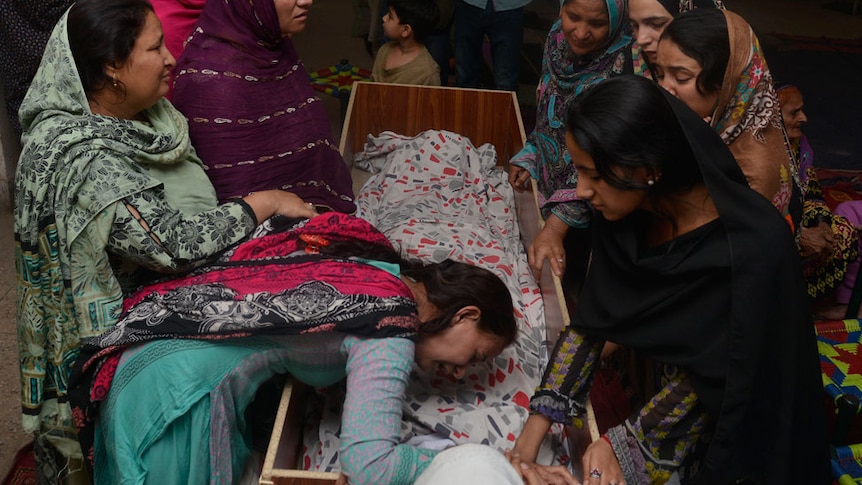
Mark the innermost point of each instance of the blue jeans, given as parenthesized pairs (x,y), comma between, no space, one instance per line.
(505,31)
(439,47)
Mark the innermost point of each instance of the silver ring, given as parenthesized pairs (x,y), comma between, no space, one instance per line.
(595,473)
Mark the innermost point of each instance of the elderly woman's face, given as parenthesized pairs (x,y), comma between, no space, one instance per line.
(791,109)
(146,74)
(648,18)
(586,25)
(451,352)
(292,15)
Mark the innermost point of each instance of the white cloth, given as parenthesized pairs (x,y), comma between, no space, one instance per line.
(431,442)
(470,464)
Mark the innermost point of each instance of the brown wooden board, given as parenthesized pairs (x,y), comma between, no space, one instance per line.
(483,116)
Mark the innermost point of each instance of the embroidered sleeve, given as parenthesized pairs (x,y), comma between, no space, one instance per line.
(575,213)
(814,208)
(562,395)
(526,159)
(813,191)
(655,441)
(377,373)
(148,232)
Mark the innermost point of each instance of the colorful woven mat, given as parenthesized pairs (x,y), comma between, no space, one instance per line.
(337,80)
(839,343)
(846,467)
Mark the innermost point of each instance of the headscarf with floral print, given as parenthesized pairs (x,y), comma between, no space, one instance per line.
(748,118)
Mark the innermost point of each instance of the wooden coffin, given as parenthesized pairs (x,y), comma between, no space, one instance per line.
(483,116)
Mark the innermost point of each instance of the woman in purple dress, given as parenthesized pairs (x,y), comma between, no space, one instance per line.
(253,116)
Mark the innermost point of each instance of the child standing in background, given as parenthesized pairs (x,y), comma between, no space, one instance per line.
(405,60)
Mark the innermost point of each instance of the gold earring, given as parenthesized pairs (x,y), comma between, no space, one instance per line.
(114,81)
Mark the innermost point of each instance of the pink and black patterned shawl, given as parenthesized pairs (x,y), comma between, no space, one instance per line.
(265,286)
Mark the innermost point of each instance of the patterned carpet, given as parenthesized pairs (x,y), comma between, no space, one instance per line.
(840,185)
(23,470)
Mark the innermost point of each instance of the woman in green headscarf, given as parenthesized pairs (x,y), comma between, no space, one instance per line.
(590,42)
(109,194)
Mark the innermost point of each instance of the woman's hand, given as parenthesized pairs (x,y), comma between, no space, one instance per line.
(291,205)
(519,178)
(534,474)
(816,242)
(609,349)
(601,466)
(268,203)
(548,244)
(531,437)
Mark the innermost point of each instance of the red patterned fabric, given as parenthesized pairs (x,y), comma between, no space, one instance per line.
(23,471)
(840,185)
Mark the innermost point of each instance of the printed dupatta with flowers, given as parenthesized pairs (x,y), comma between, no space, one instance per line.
(748,118)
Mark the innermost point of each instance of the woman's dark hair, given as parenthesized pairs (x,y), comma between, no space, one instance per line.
(420,15)
(103,33)
(625,123)
(450,286)
(702,35)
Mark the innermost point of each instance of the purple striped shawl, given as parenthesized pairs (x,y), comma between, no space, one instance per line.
(254,118)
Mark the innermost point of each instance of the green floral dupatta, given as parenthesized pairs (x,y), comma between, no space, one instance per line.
(74,167)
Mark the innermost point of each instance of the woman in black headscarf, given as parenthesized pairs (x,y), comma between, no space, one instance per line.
(696,271)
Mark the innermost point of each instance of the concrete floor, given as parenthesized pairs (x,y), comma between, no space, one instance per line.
(326,41)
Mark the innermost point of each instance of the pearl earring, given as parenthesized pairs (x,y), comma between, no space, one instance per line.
(650,182)
(115,82)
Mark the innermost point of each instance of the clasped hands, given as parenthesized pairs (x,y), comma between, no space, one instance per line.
(599,462)
(817,242)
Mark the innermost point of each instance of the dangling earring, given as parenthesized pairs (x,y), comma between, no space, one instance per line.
(114,81)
